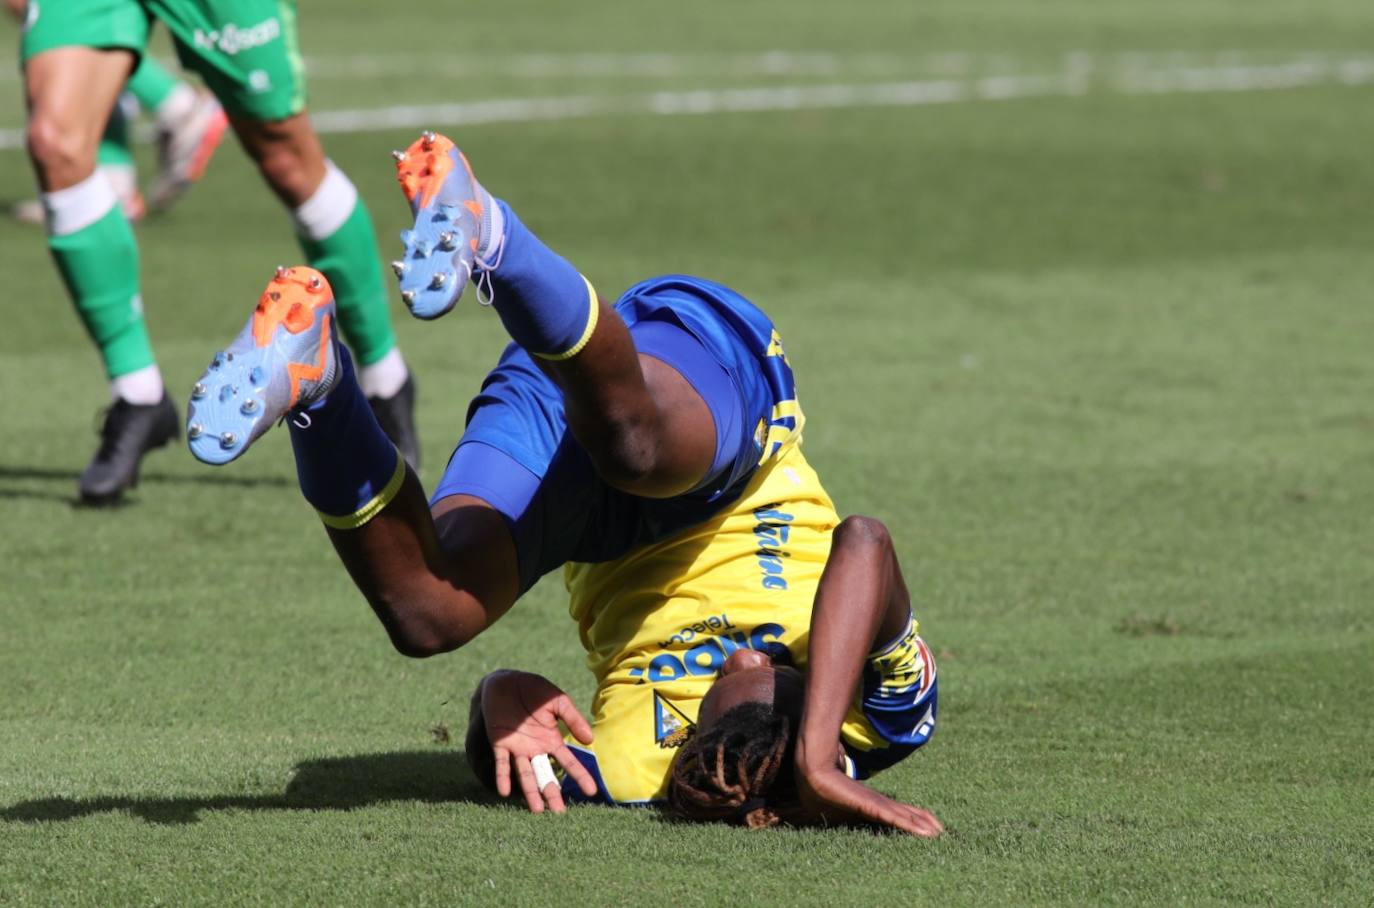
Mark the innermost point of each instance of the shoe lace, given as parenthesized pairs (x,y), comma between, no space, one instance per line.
(109,423)
(486,294)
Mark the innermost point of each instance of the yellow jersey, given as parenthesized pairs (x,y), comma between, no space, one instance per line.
(658,623)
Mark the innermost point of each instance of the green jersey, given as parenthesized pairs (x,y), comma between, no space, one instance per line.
(245,50)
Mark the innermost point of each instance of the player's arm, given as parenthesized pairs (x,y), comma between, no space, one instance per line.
(514,718)
(861,599)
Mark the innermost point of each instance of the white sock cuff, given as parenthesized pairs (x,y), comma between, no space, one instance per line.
(141,386)
(78,207)
(123,178)
(384,377)
(325,212)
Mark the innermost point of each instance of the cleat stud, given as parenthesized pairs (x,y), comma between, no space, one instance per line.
(282,273)
(408,297)
(446,240)
(228,440)
(258,376)
(198,390)
(428,137)
(399,267)
(250,406)
(194,431)
(440,279)
(315,283)
(399,156)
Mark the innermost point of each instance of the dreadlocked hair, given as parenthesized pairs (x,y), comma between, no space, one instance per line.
(740,771)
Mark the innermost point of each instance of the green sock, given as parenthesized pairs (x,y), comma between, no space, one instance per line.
(348,257)
(99,265)
(114,144)
(151,84)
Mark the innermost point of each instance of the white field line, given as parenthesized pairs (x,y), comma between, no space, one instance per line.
(637,65)
(358,67)
(366,66)
(1079,74)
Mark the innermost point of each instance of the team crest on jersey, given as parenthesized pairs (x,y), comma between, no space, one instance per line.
(672,728)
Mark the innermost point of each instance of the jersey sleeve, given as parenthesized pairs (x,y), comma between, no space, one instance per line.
(896,705)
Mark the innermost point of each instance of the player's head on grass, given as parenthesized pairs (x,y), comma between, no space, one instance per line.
(737,767)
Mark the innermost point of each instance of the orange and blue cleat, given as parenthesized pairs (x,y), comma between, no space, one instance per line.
(284,359)
(452,213)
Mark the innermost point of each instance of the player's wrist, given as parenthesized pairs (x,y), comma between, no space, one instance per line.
(812,759)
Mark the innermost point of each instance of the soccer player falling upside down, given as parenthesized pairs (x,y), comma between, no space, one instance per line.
(755,656)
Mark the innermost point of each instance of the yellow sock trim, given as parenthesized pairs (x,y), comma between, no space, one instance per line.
(373,507)
(586,332)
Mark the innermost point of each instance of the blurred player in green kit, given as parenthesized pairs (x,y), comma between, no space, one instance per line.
(189,126)
(77,57)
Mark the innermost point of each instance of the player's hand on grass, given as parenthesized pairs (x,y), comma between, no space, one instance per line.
(830,796)
(522,712)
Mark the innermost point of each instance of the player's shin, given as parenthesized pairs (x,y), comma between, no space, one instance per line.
(347,467)
(93,245)
(547,306)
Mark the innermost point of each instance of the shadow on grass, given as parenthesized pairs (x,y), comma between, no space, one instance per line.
(69,478)
(335,783)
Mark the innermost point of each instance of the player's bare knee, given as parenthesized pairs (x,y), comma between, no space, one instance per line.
(63,156)
(860,530)
(418,641)
(625,470)
(416,646)
(627,457)
(413,630)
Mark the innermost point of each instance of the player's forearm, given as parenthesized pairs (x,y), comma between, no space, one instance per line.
(861,599)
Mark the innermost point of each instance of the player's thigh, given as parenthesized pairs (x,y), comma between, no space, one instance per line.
(703,409)
(77,55)
(518,455)
(479,552)
(70,93)
(246,51)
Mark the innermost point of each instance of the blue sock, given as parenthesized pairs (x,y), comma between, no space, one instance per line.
(548,308)
(347,467)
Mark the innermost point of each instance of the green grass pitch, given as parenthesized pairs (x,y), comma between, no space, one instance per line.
(1101,359)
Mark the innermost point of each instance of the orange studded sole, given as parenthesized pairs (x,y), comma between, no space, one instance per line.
(289,301)
(423,167)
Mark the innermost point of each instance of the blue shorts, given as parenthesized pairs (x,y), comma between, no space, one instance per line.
(518,454)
